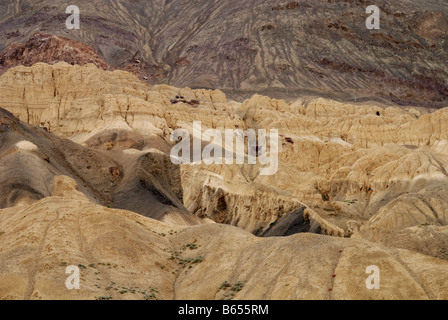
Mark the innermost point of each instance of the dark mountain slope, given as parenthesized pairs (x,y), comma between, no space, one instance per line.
(282,48)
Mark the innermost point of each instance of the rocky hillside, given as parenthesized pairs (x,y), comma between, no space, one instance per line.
(146,183)
(281,48)
(49,49)
(122,255)
(344,169)
(85,158)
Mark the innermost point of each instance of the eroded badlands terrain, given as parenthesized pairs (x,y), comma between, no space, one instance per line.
(87,180)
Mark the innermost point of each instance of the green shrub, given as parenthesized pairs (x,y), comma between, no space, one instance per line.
(238,286)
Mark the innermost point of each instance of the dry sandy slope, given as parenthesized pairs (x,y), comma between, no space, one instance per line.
(144,182)
(119,249)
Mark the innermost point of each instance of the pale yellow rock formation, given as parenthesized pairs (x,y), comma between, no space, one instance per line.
(356,167)
(122,255)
